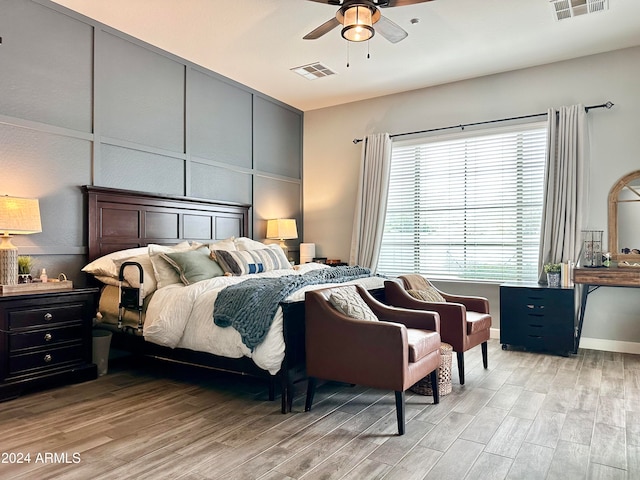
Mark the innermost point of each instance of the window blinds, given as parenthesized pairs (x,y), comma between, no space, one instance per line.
(466,207)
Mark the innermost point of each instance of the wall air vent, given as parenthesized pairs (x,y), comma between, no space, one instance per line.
(571,8)
(313,71)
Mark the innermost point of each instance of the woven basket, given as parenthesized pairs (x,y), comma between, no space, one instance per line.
(423,387)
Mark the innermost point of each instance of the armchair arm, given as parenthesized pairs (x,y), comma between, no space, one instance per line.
(453,323)
(474,304)
(421,319)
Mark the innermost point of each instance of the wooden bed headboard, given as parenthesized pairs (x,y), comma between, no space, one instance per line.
(120,219)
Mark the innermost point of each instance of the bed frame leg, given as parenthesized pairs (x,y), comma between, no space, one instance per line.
(272,389)
(287,392)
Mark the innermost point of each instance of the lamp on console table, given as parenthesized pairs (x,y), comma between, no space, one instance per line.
(282,229)
(18,216)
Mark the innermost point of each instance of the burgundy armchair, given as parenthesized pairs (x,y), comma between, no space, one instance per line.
(465,321)
(394,353)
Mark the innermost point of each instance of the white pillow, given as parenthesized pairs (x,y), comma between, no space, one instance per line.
(108,280)
(245,243)
(227,244)
(347,300)
(163,271)
(105,266)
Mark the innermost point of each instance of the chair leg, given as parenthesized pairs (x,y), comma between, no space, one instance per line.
(400,411)
(311,390)
(460,356)
(485,359)
(435,387)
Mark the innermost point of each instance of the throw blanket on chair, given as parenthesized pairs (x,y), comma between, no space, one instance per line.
(250,306)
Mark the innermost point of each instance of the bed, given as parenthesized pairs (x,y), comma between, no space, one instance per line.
(125,221)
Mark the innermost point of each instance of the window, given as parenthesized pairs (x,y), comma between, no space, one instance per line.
(467,206)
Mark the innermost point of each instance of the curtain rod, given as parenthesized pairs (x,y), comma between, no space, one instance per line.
(462,126)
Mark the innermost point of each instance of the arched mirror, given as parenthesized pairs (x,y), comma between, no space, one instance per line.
(624,219)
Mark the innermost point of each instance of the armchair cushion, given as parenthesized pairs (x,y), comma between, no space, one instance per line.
(348,301)
(430,294)
(421,343)
(477,322)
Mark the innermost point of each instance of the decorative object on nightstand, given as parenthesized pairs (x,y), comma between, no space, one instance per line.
(25,264)
(307,252)
(591,248)
(282,229)
(553,274)
(336,262)
(18,216)
(48,339)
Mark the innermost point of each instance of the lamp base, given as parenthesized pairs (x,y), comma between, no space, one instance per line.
(285,249)
(8,262)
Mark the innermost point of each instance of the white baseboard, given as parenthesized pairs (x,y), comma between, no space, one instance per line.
(609,345)
(595,344)
(494,333)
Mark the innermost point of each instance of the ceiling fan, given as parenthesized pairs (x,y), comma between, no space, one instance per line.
(358,18)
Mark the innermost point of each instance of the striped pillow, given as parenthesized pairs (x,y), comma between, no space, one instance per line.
(251,261)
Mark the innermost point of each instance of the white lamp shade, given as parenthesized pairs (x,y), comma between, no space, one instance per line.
(19,215)
(282,229)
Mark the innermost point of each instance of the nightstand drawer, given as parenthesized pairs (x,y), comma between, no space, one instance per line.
(45,358)
(45,337)
(55,314)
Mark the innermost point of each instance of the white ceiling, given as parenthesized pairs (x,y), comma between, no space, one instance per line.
(257,42)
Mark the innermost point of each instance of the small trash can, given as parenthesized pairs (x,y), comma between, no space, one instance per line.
(423,387)
(101,345)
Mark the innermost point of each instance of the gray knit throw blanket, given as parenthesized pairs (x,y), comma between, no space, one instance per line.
(250,306)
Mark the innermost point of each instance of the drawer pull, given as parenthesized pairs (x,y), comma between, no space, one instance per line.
(48,317)
(529,305)
(48,337)
(48,358)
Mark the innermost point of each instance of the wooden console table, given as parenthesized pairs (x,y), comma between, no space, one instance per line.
(593,278)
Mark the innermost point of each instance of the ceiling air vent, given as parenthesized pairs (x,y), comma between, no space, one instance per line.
(313,71)
(571,8)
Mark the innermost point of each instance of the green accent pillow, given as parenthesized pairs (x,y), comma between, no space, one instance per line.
(193,265)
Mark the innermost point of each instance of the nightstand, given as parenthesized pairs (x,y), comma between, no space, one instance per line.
(538,318)
(45,339)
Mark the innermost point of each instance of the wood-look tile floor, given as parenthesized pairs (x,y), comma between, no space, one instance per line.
(529,416)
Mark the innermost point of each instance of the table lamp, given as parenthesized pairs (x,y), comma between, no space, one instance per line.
(18,216)
(282,229)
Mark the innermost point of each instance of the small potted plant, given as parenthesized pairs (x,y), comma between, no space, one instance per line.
(553,274)
(25,264)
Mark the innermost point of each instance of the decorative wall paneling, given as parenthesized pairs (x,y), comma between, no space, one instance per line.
(86,104)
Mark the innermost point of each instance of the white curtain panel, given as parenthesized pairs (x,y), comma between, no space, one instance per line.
(565,186)
(371,206)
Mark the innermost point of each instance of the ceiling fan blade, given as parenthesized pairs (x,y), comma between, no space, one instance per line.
(401,3)
(329,2)
(390,30)
(322,29)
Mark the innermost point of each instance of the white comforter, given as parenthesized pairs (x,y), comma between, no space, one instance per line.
(182,316)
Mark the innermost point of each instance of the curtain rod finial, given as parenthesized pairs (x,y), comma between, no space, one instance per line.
(609,104)
(356,141)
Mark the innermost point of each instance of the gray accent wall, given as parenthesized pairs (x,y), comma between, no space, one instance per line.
(82,104)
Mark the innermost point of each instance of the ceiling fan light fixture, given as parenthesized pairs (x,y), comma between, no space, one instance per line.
(358,23)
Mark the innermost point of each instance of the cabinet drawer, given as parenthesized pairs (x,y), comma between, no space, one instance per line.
(44,337)
(32,317)
(531,304)
(45,358)
(540,329)
(547,343)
